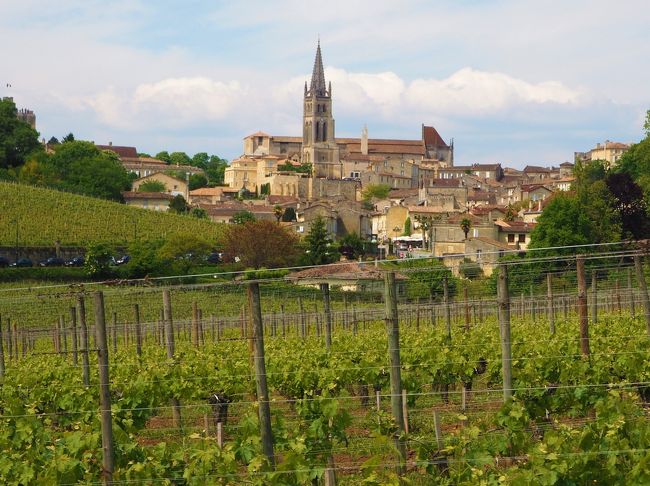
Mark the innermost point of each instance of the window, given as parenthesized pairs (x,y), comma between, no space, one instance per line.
(522,238)
(301,229)
(511,238)
(478,254)
(475,234)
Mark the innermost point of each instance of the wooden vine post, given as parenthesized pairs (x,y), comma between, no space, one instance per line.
(630,292)
(2,352)
(594,297)
(81,317)
(104,390)
(445,297)
(138,330)
(266,434)
(325,289)
(392,328)
(643,288)
(549,302)
(169,335)
(503,297)
(75,337)
(582,306)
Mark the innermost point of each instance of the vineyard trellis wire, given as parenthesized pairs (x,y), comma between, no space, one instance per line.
(451,384)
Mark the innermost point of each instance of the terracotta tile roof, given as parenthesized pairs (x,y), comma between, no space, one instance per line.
(566,164)
(282,199)
(432,138)
(536,168)
(456,182)
(212,191)
(491,242)
(342,271)
(257,134)
(282,138)
(533,187)
(457,218)
(486,166)
(484,210)
(519,226)
(144,160)
(426,210)
(402,193)
(119,150)
(146,195)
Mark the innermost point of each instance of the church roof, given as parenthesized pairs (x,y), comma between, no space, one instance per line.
(432,138)
(318,86)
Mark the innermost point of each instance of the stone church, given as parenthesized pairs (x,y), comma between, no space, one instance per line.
(401,164)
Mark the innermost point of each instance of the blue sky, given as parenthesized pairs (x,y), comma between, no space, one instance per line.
(516,82)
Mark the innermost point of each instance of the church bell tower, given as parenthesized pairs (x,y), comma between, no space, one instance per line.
(319,146)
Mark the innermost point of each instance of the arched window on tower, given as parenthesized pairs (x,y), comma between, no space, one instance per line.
(317,138)
(324,137)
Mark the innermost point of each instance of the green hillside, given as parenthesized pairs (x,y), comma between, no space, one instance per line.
(44,216)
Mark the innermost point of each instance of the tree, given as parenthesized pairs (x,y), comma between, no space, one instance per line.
(407,227)
(215,170)
(164,156)
(646,124)
(289,214)
(200,160)
(376,191)
(152,186)
(17,138)
(319,244)
(53,141)
(260,244)
(144,258)
(301,169)
(178,205)
(243,217)
(465,225)
(197,181)
(68,138)
(82,168)
(278,211)
(631,207)
(425,223)
(98,261)
(183,251)
(179,158)
(352,246)
(199,213)
(426,277)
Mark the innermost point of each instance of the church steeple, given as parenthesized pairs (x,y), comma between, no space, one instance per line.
(318,86)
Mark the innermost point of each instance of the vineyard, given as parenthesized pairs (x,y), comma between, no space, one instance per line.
(34,216)
(260,382)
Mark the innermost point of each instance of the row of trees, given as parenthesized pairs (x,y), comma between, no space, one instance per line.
(605,205)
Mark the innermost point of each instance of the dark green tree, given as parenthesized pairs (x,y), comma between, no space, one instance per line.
(243,217)
(200,160)
(53,141)
(178,205)
(152,186)
(84,169)
(319,245)
(260,244)
(465,225)
(184,251)
(68,138)
(179,158)
(407,227)
(199,213)
(352,246)
(197,181)
(164,156)
(98,261)
(17,138)
(289,214)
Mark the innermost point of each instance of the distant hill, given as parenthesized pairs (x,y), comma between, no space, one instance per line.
(44,216)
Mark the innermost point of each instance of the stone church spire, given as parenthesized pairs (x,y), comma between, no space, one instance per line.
(318,86)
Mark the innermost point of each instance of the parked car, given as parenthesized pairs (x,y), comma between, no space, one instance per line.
(4,262)
(213,258)
(77,261)
(123,260)
(22,262)
(52,262)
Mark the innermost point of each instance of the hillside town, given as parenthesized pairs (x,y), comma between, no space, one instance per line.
(425,195)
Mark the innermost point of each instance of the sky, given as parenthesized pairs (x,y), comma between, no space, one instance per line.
(511,81)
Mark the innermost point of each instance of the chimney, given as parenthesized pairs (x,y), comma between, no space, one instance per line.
(364,140)
(110,144)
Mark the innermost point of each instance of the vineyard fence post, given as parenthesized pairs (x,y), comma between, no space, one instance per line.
(195,324)
(75,337)
(445,296)
(392,326)
(550,304)
(138,330)
(325,289)
(81,314)
(169,335)
(582,306)
(2,352)
(630,292)
(104,390)
(504,328)
(266,433)
(643,287)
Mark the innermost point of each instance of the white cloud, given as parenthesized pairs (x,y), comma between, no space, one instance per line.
(469,91)
(170,103)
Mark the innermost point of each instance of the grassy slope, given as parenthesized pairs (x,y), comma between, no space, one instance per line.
(45,215)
